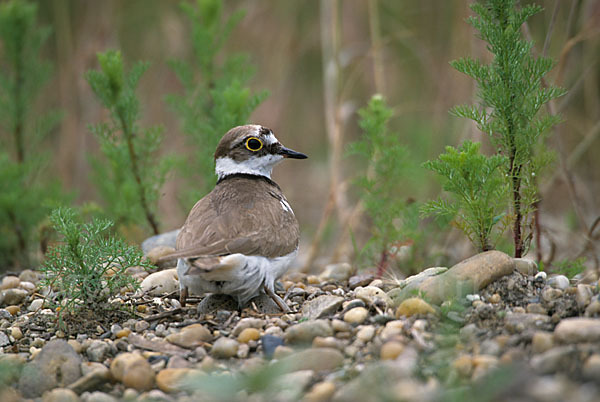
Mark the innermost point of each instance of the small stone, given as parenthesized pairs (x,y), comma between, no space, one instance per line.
(141,326)
(559,282)
(249,334)
(157,252)
(305,332)
(357,315)
(269,344)
(340,326)
(28,286)
(541,342)
(392,329)
(243,351)
(593,309)
(173,379)
(463,365)
(482,364)
(495,298)
(282,351)
(360,280)
(316,359)
(97,350)
(519,322)
(366,333)
(312,280)
(321,306)
(190,337)
(553,359)
(320,392)
(13,296)
(248,322)
(412,306)
(36,305)
(591,368)
(224,348)
(536,308)
(57,365)
(336,272)
(123,333)
(60,395)
(540,276)
(16,333)
(9,282)
(160,282)
(525,266)
(162,239)
(133,371)
(76,345)
(583,295)
(13,310)
(372,295)
(98,396)
(28,275)
(327,342)
(91,380)
(391,350)
(578,330)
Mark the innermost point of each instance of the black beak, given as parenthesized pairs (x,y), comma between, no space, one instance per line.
(288,153)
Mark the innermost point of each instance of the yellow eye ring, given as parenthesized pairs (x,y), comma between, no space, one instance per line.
(254,144)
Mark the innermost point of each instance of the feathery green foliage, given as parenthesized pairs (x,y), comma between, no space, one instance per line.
(89,266)
(392,219)
(511,97)
(131,174)
(215,93)
(26,194)
(477,191)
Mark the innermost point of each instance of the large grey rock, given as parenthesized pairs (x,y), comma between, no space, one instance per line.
(164,239)
(468,276)
(57,365)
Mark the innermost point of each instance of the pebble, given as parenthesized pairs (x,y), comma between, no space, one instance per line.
(541,276)
(133,371)
(413,306)
(519,322)
(40,375)
(316,359)
(35,305)
(321,306)
(97,396)
(583,295)
(365,333)
(541,342)
(160,282)
(372,295)
(360,280)
(336,272)
(391,350)
(320,392)
(13,310)
(224,348)
(9,282)
(463,365)
(97,351)
(559,282)
(483,364)
(249,322)
(536,308)
(593,309)
(60,395)
(549,294)
(495,298)
(357,315)
(248,334)
(327,342)
(269,344)
(16,333)
(525,266)
(577,330)
(92,380)
(591,368)
(28,275)
(553,359)
(13,296)
(306,331)
(190,337)
(173,379)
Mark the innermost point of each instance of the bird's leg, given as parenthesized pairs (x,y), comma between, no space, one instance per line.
(183,296)
(284,307)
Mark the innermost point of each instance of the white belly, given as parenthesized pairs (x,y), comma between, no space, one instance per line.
(243,278)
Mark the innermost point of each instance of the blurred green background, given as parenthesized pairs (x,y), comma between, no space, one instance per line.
(321,61)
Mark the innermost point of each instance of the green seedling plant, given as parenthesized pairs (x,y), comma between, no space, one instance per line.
(131,174)
(88,265)
(512,96)
(477,193)
(216,96)
(383,201)
(26,194)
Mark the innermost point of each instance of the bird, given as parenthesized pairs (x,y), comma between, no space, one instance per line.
(242,236)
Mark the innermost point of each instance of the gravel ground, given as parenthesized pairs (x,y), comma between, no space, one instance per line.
(509,334)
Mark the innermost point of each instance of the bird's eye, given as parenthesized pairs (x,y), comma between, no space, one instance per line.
(254,144)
